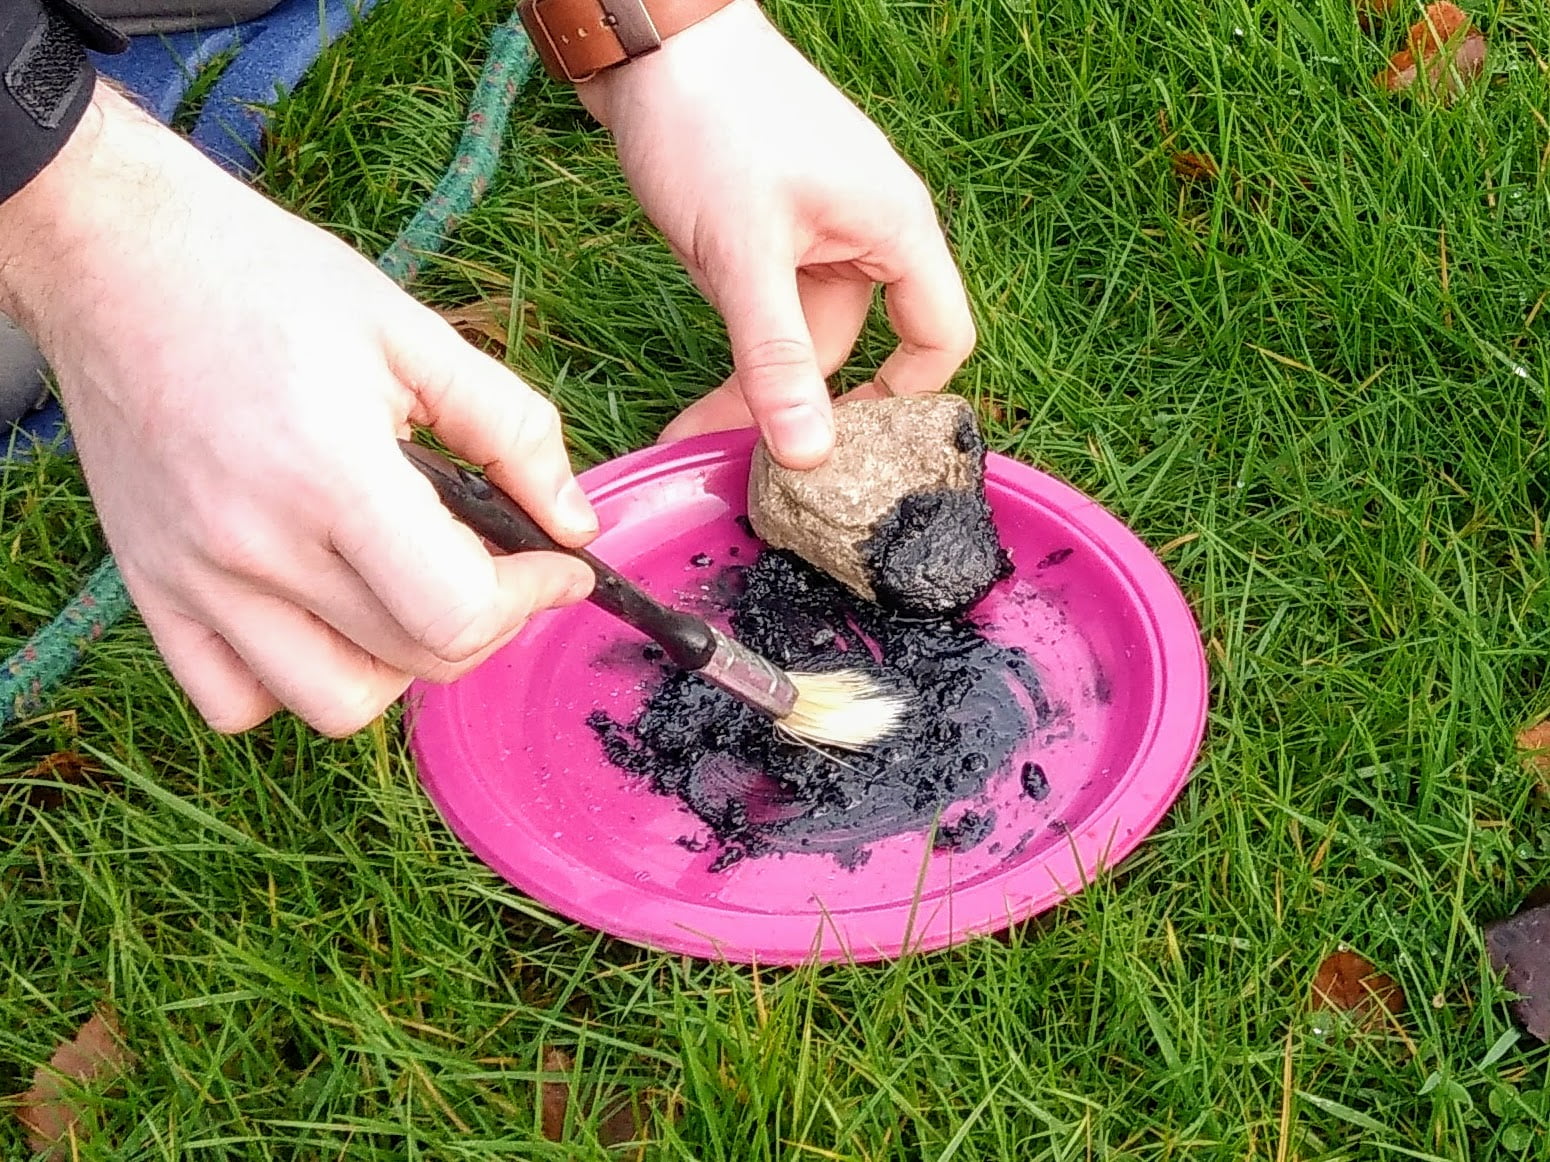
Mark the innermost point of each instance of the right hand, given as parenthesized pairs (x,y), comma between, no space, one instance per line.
(236,381)
(788,207)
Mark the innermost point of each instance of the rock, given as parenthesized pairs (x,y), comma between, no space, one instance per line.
(898,513)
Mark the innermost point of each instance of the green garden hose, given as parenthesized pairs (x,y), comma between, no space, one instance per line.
(30,674)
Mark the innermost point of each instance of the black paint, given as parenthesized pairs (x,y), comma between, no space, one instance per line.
(967,438)
(759,793)
(1035,782)
(1021,845)
(1103,689)
(936,552)
(970,830)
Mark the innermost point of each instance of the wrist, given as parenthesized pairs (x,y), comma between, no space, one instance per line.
(68,209)
(740,22)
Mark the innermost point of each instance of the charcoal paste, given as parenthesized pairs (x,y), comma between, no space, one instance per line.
(759,793)
(1035,782)
(898,513)
(936,551)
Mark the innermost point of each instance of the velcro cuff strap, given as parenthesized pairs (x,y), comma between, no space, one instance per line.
(46,81)
(95,32)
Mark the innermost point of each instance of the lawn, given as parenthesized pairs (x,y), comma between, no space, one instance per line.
(1319,384)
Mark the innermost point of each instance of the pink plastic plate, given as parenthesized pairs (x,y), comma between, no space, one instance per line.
(507,756)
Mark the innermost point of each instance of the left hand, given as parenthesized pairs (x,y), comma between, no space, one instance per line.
(786,205)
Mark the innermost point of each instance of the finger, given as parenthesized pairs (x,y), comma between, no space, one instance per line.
(331,683)
(533,582)
(720,410)
(338,596)
(777,367)
(521,573)
(434,577)
(929,312)
(222,687)
(835,308)
(488,415)
(871,389)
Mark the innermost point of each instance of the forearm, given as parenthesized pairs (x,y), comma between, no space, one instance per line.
(33,229)
(112,180)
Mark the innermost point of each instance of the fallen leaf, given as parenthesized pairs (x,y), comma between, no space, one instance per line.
(623,1115)
(1194,167)
(1519,948)
(1444,52)
(1534,742)
(1537,897)
(67,767)
(554,1096)
(48,1110)
(486,323)
(1348,982)
(1370,12)
(622,1121)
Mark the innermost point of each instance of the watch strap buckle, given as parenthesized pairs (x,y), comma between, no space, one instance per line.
(577,39)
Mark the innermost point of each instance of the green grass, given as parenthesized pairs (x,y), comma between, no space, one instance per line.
(1266,373)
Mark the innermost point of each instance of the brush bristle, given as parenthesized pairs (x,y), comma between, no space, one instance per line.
(845,709)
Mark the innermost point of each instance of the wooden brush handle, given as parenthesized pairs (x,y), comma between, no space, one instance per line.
(498,519)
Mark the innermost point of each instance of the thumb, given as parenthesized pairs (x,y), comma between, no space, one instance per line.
(777,366)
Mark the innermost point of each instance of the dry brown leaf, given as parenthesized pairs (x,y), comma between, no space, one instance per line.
(48,1110)
(554,1096)
(1443,52)
(1349,982)
(1534,742)
(1519,948)
(485,323)
(622,1121)
(67,767)
(624,1115)
(1370,12)
(1194,167)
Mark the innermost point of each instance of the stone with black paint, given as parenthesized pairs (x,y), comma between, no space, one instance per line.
(898,513)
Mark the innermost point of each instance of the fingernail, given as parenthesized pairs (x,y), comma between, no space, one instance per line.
(574,510)
(800,436)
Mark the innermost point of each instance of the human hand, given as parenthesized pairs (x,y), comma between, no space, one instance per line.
(236,381)
(786,205)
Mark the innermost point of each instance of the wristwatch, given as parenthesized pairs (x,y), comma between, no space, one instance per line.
(577,39)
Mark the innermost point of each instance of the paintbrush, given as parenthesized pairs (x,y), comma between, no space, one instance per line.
(844,709)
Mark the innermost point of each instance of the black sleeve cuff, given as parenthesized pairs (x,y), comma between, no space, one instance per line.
(46,81)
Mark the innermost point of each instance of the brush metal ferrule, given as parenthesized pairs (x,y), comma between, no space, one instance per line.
(751,679)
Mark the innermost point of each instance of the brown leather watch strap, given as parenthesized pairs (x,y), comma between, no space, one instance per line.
(576,39)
